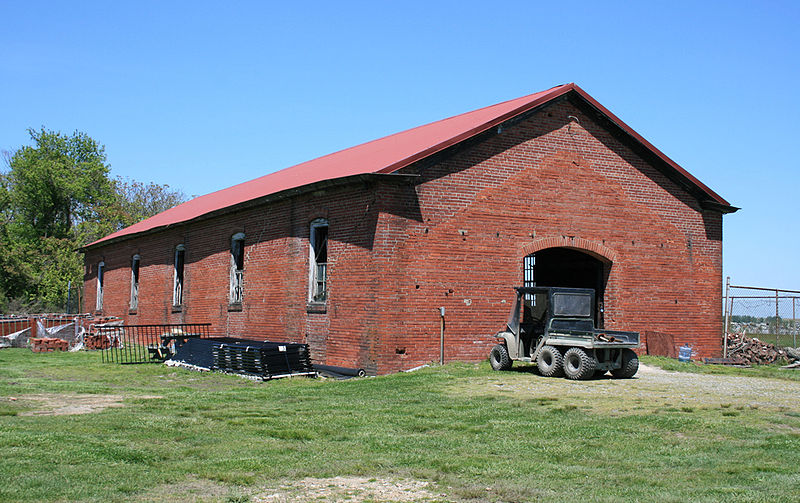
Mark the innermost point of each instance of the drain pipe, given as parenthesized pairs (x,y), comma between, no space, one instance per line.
(441,336)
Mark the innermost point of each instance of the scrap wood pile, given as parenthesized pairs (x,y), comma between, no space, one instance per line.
(752,351)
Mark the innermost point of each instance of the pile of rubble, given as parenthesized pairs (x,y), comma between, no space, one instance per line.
(753,351)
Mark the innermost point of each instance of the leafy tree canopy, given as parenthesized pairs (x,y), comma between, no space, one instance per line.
(58,183)
(56,196)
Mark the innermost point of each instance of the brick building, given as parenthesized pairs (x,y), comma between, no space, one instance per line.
(355,252)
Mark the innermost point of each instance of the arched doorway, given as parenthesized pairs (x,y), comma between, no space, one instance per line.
(571,268)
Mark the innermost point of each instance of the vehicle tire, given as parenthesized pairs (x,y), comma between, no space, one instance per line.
(578,364)
(550,362)
(630,365)
(499,358)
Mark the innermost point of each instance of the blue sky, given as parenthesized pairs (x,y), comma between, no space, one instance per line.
(203,95)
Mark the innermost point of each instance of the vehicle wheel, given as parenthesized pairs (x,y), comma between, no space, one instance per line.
(630,365)
(550,362)
(499,358)
(578,364)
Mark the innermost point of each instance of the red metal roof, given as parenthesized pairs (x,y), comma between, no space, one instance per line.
(384,155)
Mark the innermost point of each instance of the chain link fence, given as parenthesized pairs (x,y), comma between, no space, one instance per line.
(768,314)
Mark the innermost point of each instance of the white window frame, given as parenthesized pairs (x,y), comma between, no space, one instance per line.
(178,282)
(236,289)
(101,271)
(317,290)
(136,262)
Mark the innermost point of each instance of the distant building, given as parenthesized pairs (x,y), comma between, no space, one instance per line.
(355,252)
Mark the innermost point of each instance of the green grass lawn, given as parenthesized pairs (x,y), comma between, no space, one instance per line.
(476,435)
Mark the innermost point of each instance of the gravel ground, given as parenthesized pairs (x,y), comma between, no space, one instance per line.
(652,387)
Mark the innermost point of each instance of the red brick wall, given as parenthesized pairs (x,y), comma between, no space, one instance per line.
(457,239)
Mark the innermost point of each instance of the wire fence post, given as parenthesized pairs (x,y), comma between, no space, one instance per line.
(794,324)
(777,315)
(727,318)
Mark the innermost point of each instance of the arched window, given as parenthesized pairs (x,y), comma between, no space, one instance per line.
(177,283)
(236,294)
(101,272)
(318,261)
(134,282)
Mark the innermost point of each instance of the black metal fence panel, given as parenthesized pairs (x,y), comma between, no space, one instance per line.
(146,343)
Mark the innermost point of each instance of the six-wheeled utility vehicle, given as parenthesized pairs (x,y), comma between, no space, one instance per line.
(554,327)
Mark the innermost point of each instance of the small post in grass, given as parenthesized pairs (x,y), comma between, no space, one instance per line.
(441,336)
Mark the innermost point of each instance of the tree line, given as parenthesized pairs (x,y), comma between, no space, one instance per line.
(57,195)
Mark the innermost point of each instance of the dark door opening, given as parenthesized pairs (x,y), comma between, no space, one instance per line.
(568,268)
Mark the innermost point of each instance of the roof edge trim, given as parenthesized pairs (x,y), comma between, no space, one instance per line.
(296,191)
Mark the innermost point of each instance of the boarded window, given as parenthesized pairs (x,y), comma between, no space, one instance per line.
(318,261)
(236,294)
(177,285)
(135,282)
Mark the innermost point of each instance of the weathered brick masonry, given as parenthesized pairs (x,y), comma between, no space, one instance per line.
(453,233)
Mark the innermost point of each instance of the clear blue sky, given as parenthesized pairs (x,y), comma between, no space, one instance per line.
(201,95)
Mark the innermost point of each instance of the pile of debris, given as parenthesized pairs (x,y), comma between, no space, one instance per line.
(753,351)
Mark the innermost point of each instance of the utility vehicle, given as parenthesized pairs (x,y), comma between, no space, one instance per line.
(554,327)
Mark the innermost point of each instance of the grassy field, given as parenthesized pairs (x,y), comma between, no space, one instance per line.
(472,434)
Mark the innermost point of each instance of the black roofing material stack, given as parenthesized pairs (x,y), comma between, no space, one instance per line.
(265,360)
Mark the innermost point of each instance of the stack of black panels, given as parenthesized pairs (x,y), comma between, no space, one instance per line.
(267,360)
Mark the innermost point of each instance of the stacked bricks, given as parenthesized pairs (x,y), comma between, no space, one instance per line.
(97,341)
(49,344)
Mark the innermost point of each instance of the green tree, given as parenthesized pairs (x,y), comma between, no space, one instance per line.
(56,196)
(143,200)
(58,183)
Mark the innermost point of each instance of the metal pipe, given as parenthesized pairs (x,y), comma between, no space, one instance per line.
(345,371)
(764,289)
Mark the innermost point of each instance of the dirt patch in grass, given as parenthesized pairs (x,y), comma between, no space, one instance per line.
(351,490)
(50,404)
(192,490)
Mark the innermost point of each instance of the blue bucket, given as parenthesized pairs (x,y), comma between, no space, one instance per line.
(685,353)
